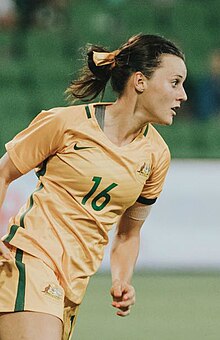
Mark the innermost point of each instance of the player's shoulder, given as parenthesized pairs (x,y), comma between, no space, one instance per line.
(83,111)
(63,116)
(69,112)
(157,140)
(155,136)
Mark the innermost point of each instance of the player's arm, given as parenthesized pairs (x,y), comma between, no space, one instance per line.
(8,173)
(124,253)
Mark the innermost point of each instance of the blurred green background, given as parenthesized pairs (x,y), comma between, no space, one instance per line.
(170,306)
(39,55)
(39,58)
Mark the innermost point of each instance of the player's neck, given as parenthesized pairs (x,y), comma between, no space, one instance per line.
(121,124)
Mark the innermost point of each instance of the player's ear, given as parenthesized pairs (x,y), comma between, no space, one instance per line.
(139,82)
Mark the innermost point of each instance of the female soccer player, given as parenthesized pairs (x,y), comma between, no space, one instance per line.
(97,165)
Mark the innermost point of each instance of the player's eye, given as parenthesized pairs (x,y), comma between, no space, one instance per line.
(175,82)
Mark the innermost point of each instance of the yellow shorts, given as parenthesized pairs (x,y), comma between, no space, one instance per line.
(28,284)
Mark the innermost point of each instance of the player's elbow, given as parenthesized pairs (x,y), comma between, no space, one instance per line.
(8,171)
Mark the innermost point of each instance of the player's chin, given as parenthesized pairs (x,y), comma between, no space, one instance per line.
(167,121)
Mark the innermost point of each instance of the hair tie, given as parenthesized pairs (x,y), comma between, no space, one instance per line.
(105,58)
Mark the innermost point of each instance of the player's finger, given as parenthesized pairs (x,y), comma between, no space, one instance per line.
(5,253)
(123,304)
(115,304)
(116,290)
(6,256)
(123,312)
(3,260)
(129,293)
(129,297)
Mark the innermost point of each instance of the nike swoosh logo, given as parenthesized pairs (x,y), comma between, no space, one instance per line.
(82,147)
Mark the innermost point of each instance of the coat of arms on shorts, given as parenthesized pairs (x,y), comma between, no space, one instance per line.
(145,169)
(54,291)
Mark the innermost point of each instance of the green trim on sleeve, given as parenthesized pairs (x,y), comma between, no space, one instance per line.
(147,201)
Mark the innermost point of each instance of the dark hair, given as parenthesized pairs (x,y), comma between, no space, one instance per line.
(141,53)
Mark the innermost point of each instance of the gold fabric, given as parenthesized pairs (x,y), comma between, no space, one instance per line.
(85,183)
(105,58)
(69,321)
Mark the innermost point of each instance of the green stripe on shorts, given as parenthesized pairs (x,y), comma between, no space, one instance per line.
(20,298)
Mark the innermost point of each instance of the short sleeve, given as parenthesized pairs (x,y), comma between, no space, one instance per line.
(154,183)
(42,138)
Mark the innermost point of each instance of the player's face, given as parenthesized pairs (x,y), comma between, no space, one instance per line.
(164,91)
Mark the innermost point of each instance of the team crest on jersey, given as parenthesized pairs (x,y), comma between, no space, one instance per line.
(144,169)
(53,291)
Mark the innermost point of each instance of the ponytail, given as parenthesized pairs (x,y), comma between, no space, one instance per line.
(141,52)
(93,78)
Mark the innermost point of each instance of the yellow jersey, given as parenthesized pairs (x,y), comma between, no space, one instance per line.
(85,183)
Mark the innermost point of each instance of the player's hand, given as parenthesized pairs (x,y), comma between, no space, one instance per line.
(123,295)
(5,254)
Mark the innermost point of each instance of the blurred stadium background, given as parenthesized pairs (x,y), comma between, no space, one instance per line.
(177,278)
